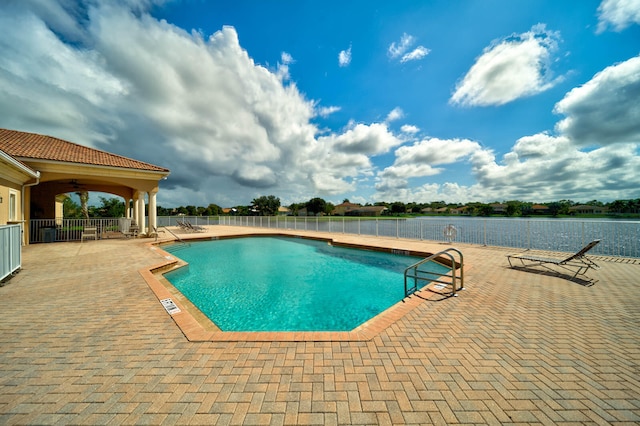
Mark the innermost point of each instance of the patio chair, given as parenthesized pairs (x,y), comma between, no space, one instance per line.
(194,228)
(183,226)
(132,232)
(577,264)
(88,233)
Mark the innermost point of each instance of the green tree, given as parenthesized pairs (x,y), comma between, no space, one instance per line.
(526,209)
(214,210)
(329,207)
(514,208)
(295,207)
(316,205)
(266,205)
(398,208)
(554,208)
(109,207)
(483,210)
(71,209)
(241,210)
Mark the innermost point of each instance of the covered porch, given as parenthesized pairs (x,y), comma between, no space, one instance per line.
(65,168)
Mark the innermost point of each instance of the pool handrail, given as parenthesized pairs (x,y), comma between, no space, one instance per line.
(454,266)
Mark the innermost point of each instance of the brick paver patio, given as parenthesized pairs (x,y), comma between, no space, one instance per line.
(84,340)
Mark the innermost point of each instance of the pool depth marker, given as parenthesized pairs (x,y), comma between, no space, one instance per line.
(169,306)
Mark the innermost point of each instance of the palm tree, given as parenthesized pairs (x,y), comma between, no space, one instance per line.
(84,203)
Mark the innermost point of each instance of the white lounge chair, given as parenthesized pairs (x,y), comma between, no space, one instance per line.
(577,264)
(133,231)
(89,233)
(195,228)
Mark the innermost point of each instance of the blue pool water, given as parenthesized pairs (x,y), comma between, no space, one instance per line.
(289,284)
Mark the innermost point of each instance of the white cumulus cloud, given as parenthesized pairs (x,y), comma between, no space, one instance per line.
(344,57)
(327,111)
(409,128)
(395,114)
(508,69)
(399,50)
(227,128)
(423,158)
(606,109)
(618,14)
(416,54)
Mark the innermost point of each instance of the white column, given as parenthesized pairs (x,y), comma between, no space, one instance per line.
(140,218)
(135,207)
(127,208)
(153,214)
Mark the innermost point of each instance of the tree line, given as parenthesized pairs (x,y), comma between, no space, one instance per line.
(270,204)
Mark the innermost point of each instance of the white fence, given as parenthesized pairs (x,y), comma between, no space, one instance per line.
(11,250)
(51,230)
(620,238)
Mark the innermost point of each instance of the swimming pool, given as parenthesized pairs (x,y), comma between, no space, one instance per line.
(289,284)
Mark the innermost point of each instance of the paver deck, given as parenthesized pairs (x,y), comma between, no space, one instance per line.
(84,340)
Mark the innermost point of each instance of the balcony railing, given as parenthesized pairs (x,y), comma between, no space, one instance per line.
(10,250)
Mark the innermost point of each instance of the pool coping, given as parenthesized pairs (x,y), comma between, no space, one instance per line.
(196,327)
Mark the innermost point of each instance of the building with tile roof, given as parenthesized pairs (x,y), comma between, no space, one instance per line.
(38,168)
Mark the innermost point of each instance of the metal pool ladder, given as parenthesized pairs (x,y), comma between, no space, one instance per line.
(182,242)
(450,278)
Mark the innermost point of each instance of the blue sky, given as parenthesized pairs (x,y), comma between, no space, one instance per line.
(367,100)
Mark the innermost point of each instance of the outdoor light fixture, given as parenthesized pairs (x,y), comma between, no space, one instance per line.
(0,200)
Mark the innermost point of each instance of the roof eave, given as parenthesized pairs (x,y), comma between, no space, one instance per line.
(163,172)
(19,165)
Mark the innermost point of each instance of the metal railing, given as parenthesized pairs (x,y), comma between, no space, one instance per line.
(420,275)
(51,230)
(620,238)
(11,250)
(180,240)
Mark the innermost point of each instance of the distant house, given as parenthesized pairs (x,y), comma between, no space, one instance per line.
(459,210)
(283,211)
(344,208)
(366,211)
(499,208)
(447,210)
(540,209)
(587,209)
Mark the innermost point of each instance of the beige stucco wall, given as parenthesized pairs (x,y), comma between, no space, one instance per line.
(6,189)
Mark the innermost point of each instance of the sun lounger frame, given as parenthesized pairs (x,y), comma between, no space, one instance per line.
(577,265)
(186,226)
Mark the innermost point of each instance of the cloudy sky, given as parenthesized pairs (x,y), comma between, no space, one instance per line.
(370,100)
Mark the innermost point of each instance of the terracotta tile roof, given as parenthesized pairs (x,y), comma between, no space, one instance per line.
(40,147)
